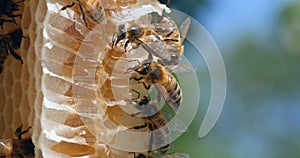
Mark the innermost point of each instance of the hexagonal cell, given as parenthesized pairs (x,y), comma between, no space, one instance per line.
(16,68)
(30,59)
(25,110)
(26,18)
(8,111)
(1,76)
(24,78)
(2,99)
(24,101)
(17,121)
(16,94)
(7,62)
(2,125)
(9,132)
(8,82)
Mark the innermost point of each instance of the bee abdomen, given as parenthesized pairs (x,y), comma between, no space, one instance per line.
(97,16)
(174,92)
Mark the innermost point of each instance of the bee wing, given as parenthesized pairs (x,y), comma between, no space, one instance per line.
(157,48)
(163,92)
(174,123)
(163,28)
(181,69)
(176,155)
(184,28)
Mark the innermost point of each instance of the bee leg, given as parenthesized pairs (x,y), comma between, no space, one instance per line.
(113,40)
(171,39)
(83,15)
(25,131)
(133,154)
(19,132)
(68,6)
(147,87)
(169,34)
(126,44)
(13,17)
(135,78)
(2,21)
(14,54)
(138,93)
(20,1)
(139,127)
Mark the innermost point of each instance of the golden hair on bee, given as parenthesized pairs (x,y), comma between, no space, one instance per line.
(138,35)
(172,36)
(151,73)
(155,123)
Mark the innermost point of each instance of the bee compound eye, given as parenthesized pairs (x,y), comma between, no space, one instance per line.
(144,71)
(122,35)
(135,30)
(141,156)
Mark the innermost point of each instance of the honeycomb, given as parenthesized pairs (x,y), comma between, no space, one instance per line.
(53,91)
(17,88)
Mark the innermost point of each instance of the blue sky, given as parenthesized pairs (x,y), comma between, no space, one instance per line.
(227,19)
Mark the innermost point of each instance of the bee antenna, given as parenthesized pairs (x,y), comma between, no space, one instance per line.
(150,57)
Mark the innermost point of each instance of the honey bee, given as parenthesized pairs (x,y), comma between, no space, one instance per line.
(156,123)
(92,8)
(146,37)
(172,37)
(23,148)
(170,155)
(163,39)
(9,42)
(152,73)
(8,7)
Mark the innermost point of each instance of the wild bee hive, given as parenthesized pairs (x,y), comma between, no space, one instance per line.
(82,86)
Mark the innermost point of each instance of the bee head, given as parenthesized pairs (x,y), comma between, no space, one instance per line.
(143,103)
(122,33)
(135,31)
(16,36)
(141,156)
(144,68)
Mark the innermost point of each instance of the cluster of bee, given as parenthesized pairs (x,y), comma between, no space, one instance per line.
(20,147)
(162,41)
(10,41)
(8,9)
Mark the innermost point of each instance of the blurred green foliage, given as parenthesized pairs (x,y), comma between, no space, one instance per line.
(261,114)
